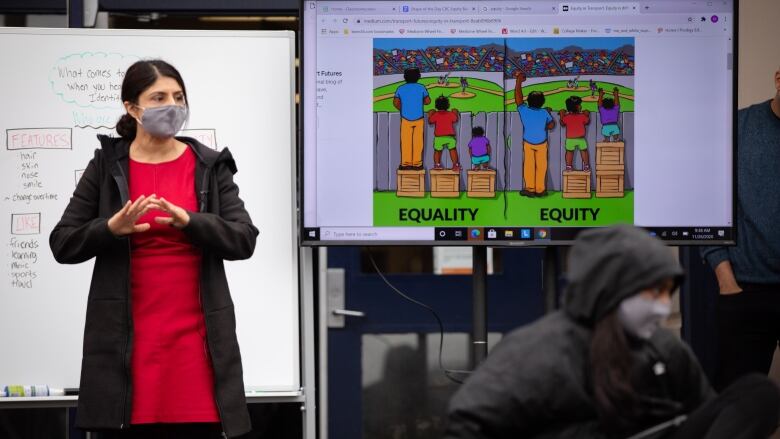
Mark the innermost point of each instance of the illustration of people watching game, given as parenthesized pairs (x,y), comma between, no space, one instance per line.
(443,119)
(536,122)
(575,120)
(609,112)
(409,100)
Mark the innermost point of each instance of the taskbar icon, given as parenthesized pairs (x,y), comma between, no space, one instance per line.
(311,234)
(450,233)
(489,234)
(509,234)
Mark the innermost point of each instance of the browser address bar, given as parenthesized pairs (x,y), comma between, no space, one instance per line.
(623,8)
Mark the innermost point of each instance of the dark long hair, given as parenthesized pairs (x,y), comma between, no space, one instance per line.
(610,361)
(138,77)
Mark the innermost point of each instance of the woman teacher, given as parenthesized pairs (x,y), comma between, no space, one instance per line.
(159,214)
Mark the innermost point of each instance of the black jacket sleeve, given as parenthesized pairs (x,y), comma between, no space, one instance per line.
(683,386)
(508,396)
(81,234)
(230,234)
(699,390)
(531,386)
(484,409)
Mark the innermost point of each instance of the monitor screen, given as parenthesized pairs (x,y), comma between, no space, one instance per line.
(516,123)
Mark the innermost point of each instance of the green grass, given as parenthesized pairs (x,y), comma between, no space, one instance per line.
(489,102)
(521,211)
(558,101)
(542,86)
(390,88)
(481,102)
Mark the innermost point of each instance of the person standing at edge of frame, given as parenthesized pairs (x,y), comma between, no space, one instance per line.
(160,214)
(749,274)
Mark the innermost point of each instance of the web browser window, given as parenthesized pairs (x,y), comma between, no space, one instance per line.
(518,123)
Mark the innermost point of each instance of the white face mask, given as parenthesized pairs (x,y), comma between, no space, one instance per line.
(642,316)
(163,122)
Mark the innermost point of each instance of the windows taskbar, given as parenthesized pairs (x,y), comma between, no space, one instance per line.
(499,235)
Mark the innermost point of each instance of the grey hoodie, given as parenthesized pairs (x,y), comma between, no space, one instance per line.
(536,383)
(609,265)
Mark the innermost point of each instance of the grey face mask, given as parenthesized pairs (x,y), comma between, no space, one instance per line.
(163,121)
(641,316)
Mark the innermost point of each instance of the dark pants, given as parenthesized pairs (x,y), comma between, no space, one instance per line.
(748,332)
(748,409)
(166,431)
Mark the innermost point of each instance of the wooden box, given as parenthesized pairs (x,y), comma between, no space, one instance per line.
(481,184)
(609,184)
(610,156)
(576,184)
(445,183)
(411,183)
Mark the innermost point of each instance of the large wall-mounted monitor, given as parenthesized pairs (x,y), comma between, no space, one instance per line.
(516,123)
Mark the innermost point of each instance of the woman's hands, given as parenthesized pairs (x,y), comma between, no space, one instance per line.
(124,221)
(178,218)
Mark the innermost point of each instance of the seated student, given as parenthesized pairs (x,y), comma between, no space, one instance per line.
(601,367)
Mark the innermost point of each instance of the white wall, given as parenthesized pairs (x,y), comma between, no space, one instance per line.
(759,55)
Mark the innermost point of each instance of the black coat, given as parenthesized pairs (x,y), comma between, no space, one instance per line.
(221,229)
(536,383)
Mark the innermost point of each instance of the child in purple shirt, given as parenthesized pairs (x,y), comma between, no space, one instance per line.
(479,148)
(609,112)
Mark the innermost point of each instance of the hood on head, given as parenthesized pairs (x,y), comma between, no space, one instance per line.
(610,264)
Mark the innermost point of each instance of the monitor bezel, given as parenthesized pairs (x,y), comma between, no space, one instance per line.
(300,142)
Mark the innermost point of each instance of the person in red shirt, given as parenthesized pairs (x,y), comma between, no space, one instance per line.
(443,119)
(159,213)
(575,120)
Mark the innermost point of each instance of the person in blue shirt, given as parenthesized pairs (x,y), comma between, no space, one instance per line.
(536,122)
(410,98)
(749,273)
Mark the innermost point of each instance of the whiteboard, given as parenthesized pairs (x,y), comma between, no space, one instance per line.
(59,88)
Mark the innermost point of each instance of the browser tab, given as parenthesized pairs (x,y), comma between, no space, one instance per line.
(599,9)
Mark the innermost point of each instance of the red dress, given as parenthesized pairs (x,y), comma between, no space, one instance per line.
(172,375)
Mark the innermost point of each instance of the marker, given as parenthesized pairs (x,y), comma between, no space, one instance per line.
(20,391)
